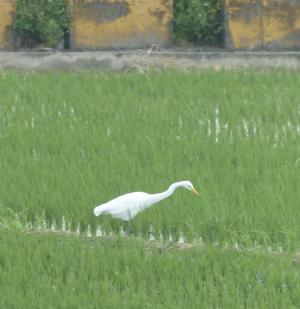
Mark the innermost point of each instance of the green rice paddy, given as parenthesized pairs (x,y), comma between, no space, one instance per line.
(71,141)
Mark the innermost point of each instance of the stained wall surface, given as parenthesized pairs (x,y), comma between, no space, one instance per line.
(120,23)
(6,15)
(262,23)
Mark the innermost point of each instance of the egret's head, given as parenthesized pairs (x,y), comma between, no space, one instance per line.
(188,185)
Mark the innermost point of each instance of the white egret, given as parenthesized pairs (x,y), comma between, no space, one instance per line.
(127,206)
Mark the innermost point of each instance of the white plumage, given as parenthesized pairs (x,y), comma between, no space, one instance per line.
(127,206)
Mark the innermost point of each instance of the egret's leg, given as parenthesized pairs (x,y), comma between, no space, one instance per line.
(129,228)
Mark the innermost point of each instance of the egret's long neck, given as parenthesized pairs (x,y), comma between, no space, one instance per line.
(157,197)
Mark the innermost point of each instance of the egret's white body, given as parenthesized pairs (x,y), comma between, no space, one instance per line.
(127,206)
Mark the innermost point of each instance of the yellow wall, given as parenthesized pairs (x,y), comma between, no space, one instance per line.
(125,23)
(262,23)
(138,23)
(6,15)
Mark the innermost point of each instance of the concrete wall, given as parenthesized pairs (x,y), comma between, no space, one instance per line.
(6,15)
(140,23)
(262,23)
(125,23)
(107,23)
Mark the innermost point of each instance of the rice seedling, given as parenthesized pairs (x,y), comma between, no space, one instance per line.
(71,141)
(47,271)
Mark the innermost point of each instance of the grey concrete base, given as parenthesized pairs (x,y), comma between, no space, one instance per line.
(142,60)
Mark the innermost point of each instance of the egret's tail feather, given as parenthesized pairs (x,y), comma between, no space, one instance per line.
(98,211)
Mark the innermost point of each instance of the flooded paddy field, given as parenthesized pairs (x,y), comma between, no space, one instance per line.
(71,141)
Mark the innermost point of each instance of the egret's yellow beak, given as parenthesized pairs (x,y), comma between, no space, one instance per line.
(195,191)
